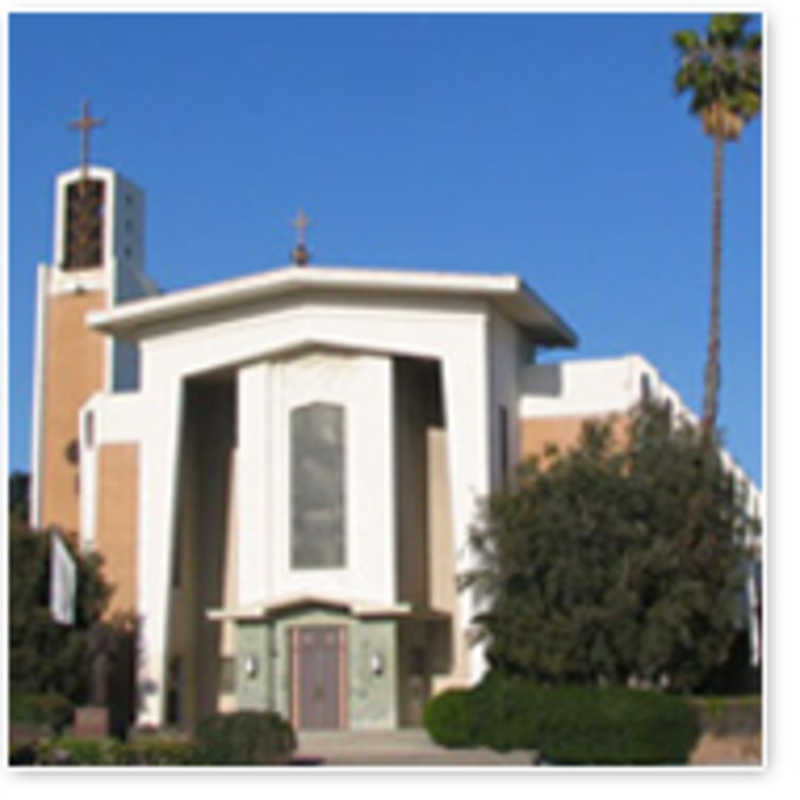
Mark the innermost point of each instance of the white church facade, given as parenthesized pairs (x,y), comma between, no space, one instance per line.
(281,470)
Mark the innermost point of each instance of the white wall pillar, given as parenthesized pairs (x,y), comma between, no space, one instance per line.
(466,391)
(157,519)
(37,415)
(254,420)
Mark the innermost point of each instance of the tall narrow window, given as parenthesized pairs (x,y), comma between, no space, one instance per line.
(317,490)
(503,433)
(88,433)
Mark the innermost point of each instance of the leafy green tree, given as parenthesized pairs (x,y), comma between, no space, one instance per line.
(18,484)
(722,70)
(614,561)
(43,655)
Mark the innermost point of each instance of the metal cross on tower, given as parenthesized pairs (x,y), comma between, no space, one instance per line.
(85,125)
(84,235)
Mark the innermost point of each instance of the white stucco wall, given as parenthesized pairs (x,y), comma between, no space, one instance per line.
(362,384)
(505,364)
(128,243)
(593,386)
(268,393)
(129,280)
(577,388)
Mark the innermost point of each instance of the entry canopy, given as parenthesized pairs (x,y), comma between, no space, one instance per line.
(509,293)
(358,608)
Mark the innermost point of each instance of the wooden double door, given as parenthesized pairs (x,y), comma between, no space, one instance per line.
(319,674)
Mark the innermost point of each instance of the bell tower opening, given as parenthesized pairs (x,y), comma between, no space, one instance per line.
(84,224)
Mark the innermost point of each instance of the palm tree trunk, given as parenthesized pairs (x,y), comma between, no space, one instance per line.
(712,372)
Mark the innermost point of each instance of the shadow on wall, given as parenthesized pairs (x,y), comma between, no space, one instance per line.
(542,380)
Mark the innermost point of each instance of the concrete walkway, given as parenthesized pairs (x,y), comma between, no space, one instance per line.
(406,747)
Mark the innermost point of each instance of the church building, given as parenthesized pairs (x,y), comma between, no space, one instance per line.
(281,470)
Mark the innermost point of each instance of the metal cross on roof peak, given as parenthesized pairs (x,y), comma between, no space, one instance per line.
(300,254)
(85,125)
(301,223)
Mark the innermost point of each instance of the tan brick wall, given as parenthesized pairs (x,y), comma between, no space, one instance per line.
(537,433)
(118,520)
(73,370)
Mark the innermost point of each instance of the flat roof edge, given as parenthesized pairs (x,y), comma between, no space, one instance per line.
(141,313)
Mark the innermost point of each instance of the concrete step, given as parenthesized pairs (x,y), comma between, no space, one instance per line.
(402,747)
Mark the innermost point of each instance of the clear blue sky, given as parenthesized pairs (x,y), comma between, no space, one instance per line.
(547,145)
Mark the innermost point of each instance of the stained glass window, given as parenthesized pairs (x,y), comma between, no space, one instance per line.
(317,486)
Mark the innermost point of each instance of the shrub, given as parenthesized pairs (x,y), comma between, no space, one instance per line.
(43,655)
(621,556)
(22,754)
(566,725)
(507,712)
(51,709)
(245,737)
(105,752)
(67,751)
(152,752)
(449,718)
(615,726)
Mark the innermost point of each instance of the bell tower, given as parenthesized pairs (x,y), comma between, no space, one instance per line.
(98,262)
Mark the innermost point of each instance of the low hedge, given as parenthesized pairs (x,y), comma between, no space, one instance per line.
(245,737)
(104,753)
(152,752)
(242,738)
(49,709)
(566,725)
(65,751)
(616,726)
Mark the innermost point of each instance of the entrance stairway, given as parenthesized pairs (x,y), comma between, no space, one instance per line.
(405,747)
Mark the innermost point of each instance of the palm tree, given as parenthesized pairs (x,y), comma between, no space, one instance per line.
(723,70)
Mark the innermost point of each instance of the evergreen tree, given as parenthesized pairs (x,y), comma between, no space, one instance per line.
(18,488)
(43,655)
(614,560)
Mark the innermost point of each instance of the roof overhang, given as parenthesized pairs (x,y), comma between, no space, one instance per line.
(508,292)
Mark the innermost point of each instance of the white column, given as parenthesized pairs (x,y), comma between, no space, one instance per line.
(254,413)
(37,417)
(389,482)
(157,518)
(466,391)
